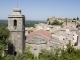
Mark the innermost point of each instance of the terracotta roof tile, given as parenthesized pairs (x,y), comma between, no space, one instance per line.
(41,32)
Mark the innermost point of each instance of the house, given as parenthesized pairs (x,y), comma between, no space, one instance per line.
(38,40)
(42,40)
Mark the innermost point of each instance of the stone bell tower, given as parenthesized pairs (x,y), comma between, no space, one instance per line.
(16,25)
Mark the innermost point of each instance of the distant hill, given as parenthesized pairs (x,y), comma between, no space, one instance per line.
(28,23)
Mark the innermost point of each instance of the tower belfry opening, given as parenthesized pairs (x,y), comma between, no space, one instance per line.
(15,22)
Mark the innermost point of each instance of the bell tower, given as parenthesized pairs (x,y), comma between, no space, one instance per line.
(16,25)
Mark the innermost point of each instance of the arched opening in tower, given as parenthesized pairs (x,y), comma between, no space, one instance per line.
(15,22)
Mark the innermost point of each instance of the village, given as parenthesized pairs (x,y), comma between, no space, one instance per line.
(40,30)
(50,37)
(55,33)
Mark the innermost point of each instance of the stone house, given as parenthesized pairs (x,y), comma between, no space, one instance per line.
(66,35)
(38,40)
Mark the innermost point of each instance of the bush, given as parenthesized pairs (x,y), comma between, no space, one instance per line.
(78,26)
(4,35)
(56,22)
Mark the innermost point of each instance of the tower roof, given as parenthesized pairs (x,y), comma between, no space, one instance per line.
(16,13)
(17,9)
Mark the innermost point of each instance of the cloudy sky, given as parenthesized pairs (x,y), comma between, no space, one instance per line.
(41,9)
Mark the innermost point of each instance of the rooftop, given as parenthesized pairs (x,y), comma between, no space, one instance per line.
(42,33)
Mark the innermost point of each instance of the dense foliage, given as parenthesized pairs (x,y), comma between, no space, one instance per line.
(3,23)
(26,56)
(56,22)
(74,18)
(29,24)
(68,54)
(4,35)
(78,25)
(77,18)
(59,54)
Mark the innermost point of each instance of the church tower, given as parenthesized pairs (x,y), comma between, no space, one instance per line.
(16,25)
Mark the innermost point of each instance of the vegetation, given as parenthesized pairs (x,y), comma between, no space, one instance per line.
(27,23)
(74,18)
(56,22)
(26,56)
(77,18)
(70,53)
(3,23)
(46,55)
(78,26)
(4,35)
(49,23)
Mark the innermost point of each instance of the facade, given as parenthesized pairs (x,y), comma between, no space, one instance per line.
(78,32)
(16,25)
(38,40)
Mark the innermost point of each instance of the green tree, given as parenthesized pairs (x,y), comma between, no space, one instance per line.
(77,18)
(78,26)
(19,57)
(29,24)
(49,23)
(4,35)
(56,22)
(66,20)
(28,54)
(8,57)
(46,55)
(69,54)
(74,18)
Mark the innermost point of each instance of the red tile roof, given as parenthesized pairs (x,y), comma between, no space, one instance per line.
(41,32)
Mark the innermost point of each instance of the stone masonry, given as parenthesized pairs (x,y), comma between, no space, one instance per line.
(16,25)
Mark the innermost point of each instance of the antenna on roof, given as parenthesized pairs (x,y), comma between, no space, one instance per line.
(17,4)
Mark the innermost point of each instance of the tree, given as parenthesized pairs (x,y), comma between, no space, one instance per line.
(28,55)
(66,20)
(19,57)
(78,26)
(56,22)
(46,55)
(49,23)
(4,35)
(77,18)
(8,57)
(74,18)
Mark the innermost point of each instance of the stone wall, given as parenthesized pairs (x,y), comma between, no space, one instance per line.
(38,43)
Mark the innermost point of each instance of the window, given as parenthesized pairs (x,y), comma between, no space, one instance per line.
(15,22)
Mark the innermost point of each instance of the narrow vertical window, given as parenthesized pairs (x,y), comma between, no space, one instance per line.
(15,22)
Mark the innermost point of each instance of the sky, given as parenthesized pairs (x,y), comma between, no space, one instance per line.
(41,9)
